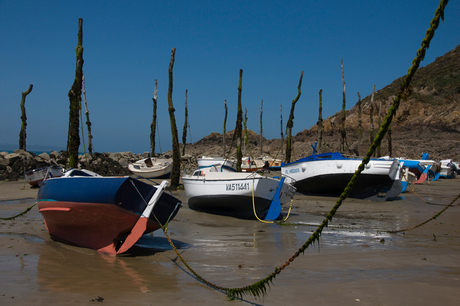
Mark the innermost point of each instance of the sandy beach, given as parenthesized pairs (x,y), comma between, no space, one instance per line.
(356,262)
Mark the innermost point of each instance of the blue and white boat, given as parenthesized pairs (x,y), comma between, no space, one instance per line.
(328,174)
(424,169)
(107,214)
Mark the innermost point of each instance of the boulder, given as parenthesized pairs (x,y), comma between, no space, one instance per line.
(45,156)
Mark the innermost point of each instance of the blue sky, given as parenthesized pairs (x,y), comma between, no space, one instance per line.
(127,45)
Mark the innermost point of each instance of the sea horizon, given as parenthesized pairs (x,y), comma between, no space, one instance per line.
(37,152)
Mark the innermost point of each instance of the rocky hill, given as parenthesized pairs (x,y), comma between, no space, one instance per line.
(427,121)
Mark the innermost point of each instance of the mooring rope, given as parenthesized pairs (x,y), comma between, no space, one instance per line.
(254,207)
(412,189)
(430,219)
(20,214)
(260,288)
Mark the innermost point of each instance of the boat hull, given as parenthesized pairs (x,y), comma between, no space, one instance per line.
(231,196)
(98,212)
(207,161)
(329,177)
(76,224)
(234,206)
(35,176)
(151,168)
(374,187)
(448,169)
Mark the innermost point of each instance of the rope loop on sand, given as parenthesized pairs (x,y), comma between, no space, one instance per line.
(412,189)
(451,204)
(430,219)
(20,214)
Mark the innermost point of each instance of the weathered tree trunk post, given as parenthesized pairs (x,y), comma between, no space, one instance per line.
(239,128)
(246,138)
(290,123)
(22,133)
(175,172)
(379,122)
(261,138)
(184,132)
(88,122)
(154,122)
(225,128)
(320,122)
(360,130)
(73,140)
(343,132)
(281,121)
(390,146)
(371,118)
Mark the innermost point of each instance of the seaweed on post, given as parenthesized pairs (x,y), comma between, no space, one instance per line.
(360,129)
(260,137)
(184,131)
(225,126)
(154,122)
(73,139)
(22,133)
(290,123)
(88,122)
(239,127)
(371,116)
(175,172)
(343,132)
(320,121)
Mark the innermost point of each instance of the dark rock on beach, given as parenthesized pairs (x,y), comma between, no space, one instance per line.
(13,166)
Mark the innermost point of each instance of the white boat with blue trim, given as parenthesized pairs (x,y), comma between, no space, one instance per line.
(220,190)
(328,174)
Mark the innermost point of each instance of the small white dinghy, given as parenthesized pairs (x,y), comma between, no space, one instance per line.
(151,167)
(35,176)
(206,161)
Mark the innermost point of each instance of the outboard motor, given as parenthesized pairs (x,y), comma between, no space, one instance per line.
(454,169)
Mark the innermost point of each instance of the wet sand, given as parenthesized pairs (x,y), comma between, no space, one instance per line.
(356,262)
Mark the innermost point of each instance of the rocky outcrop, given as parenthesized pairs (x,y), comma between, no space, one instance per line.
(13,166)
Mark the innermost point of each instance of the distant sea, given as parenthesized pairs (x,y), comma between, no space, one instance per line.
(35,152)
(39,152)
(37,149)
